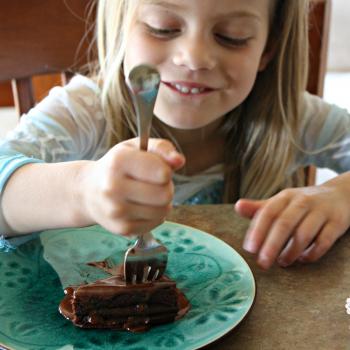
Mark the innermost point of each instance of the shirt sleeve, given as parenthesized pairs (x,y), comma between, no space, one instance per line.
(67,125)
(325,135)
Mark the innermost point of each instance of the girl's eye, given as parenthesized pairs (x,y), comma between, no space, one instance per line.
(162,32)
(233,42)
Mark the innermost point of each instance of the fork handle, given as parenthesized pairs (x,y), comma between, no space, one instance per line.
(144,112)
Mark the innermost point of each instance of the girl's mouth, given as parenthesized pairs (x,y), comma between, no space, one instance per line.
(188,89)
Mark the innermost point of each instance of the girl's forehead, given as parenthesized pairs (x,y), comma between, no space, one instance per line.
(257,8)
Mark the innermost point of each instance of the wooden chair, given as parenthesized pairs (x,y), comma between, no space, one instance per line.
(320,13)
(41,37)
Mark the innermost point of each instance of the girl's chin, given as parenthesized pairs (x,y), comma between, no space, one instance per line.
(184,119)
(182,124)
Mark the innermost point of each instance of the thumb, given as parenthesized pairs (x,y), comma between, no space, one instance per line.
(166,150)
(248,207)
(163,148)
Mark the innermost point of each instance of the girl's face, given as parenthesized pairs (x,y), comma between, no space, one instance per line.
(208,53)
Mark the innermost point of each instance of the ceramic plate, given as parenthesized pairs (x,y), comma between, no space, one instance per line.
(214,277)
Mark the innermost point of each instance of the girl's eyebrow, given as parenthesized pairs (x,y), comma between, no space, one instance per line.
(239,14)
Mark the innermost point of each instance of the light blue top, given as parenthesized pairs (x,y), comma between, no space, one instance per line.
(69,125)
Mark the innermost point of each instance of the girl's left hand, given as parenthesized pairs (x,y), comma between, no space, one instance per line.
(297,224)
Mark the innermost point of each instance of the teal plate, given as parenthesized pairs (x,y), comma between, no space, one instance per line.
(215,278)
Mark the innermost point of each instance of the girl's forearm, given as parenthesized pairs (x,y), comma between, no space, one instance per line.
(44,196)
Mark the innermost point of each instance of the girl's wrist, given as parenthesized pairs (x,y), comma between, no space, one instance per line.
(341,183)
(80,194)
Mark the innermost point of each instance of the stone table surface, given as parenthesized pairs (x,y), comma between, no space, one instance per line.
(299,307)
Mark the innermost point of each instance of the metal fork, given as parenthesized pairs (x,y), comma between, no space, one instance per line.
(146,260)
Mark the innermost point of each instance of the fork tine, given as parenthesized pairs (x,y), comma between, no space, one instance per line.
(130,271)
(145,261)
(139,271)
(154,264)
(146,272)
(155,275)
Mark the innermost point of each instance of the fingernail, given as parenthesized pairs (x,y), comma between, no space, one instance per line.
(250,246)
(175,155)
(264,261)
(282,263)
(302,259)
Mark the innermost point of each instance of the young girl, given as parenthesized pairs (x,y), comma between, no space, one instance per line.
(231,102)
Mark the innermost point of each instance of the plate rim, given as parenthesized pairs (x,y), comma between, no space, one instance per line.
(219,335)
(226,331)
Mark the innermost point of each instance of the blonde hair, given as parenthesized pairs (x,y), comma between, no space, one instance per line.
(113,21)
(261,133)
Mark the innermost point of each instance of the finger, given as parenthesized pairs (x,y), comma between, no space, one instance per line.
(281,230)
(128,228)
(305,233)
(132,211)
(144,193)
(262,222)
(143,166)
(324,241)
(248,208)
(166,150)
(163,148)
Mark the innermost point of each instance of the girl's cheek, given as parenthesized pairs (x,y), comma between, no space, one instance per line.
(142,49)
(241,67)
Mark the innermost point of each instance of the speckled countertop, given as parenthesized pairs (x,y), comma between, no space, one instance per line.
(300,307)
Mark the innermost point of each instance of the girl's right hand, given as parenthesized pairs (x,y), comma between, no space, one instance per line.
(129,191)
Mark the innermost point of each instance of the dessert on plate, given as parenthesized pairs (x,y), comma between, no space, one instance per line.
(112,303)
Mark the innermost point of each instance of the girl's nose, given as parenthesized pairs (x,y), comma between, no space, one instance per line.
(195,54)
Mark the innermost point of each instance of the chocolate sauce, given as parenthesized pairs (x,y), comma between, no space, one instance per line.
(113,303)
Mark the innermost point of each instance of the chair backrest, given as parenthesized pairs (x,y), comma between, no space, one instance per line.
(320,13)
(40,37)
